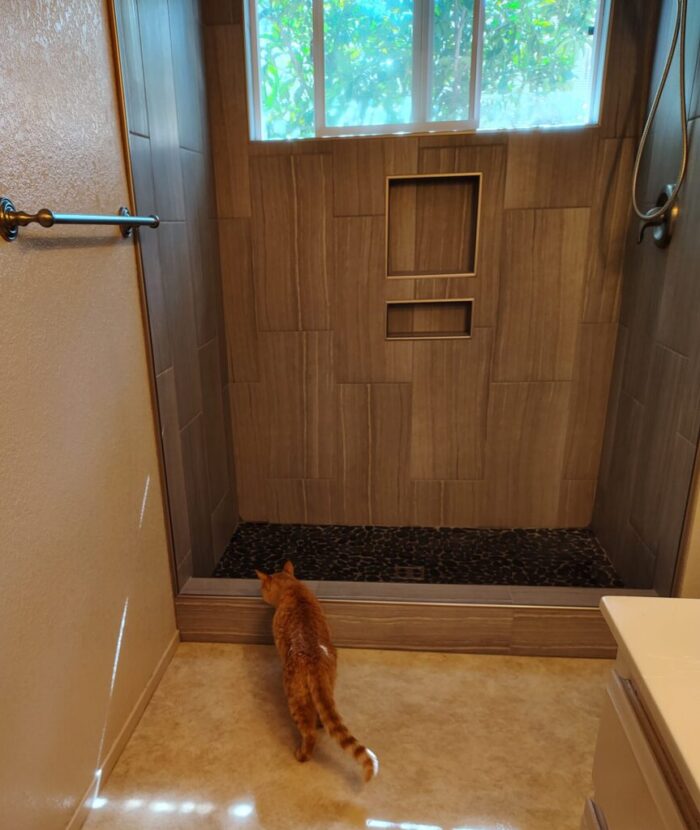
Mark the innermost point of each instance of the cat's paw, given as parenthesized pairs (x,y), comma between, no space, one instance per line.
(301,756)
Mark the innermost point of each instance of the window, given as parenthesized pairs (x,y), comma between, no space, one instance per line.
(349,67)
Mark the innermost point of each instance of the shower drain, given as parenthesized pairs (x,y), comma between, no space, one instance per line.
(409,573)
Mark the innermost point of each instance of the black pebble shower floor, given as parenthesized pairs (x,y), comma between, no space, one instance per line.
(448,556)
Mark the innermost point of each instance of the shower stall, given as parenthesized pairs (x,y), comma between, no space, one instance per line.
(436,370)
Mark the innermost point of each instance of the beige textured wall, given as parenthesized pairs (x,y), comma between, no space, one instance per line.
(78,537)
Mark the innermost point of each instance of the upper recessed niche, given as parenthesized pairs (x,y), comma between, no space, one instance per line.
(432,225)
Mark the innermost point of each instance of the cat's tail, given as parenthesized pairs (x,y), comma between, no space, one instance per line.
(322,697)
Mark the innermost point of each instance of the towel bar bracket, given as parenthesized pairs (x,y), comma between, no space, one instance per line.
(12,219)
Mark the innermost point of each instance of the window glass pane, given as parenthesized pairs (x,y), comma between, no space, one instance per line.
(369,61)
(538,62)
(451,63)
(286,68)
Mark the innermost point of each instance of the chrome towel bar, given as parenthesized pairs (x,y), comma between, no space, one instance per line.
(12,219)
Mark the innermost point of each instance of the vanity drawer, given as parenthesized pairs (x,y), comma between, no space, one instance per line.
(632,791)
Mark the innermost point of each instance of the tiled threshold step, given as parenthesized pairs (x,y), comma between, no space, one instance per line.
(558,622)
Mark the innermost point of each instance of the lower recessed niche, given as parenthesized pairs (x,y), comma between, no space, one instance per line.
(428,319)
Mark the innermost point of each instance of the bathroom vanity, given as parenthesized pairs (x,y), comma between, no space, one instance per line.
(646,772)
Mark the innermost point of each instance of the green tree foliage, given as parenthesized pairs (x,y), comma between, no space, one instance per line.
(534,51)
(452,56)
(536,59)
(285,33)
(369,61)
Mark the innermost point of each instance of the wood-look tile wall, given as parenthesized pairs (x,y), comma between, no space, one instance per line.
(163,70)
(332,422)
(651,437)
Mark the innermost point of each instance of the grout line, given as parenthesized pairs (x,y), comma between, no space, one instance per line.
(668,348)
(295,207)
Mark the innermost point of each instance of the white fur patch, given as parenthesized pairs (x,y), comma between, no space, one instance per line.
(325,651)
(375,761)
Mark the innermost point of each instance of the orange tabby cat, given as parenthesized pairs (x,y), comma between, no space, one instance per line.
(309,659)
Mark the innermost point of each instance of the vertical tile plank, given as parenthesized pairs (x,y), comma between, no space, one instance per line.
(679,473)
(362,353)
(162,108)
(460,503)
(188,69)
(179,304)
(541,294)
(633,26)
(140,151)
(551,169)
(318,501)
(313,192)
(426,503)
(361,166)
(389,450)
(284,446)
(659,427)
(198,502)
(524,454)
(238,291)
(228,118)
(127,15)
(320,407)
(274,240)
(214,433)
(610,215)
(202,245)
(615,490)
(589,399)
(286,500)
(221,11)
(224,520)
(174,469)
(300,402)
(248,415)
(401,224)
(450,398)
(576,504)
(353,493)
(678,315)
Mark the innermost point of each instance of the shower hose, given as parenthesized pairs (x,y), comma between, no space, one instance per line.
(659,211)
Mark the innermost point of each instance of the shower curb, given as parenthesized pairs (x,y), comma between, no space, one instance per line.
(526,630)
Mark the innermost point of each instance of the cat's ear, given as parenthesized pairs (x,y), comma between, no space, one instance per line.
(261,576)
(288,568)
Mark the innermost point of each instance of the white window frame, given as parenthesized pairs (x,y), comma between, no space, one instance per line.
(422,62)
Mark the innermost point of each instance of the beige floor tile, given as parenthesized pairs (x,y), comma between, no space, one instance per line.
(465,742)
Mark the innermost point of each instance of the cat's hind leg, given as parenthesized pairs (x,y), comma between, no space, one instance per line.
(305,719)
(303,713)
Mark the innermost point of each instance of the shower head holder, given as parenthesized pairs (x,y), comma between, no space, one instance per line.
(664,224)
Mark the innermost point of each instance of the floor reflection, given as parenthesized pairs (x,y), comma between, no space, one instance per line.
(466,742)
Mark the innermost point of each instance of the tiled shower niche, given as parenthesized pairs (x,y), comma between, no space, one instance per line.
(432,225)
(428,319)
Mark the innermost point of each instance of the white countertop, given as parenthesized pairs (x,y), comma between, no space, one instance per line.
(659,641)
